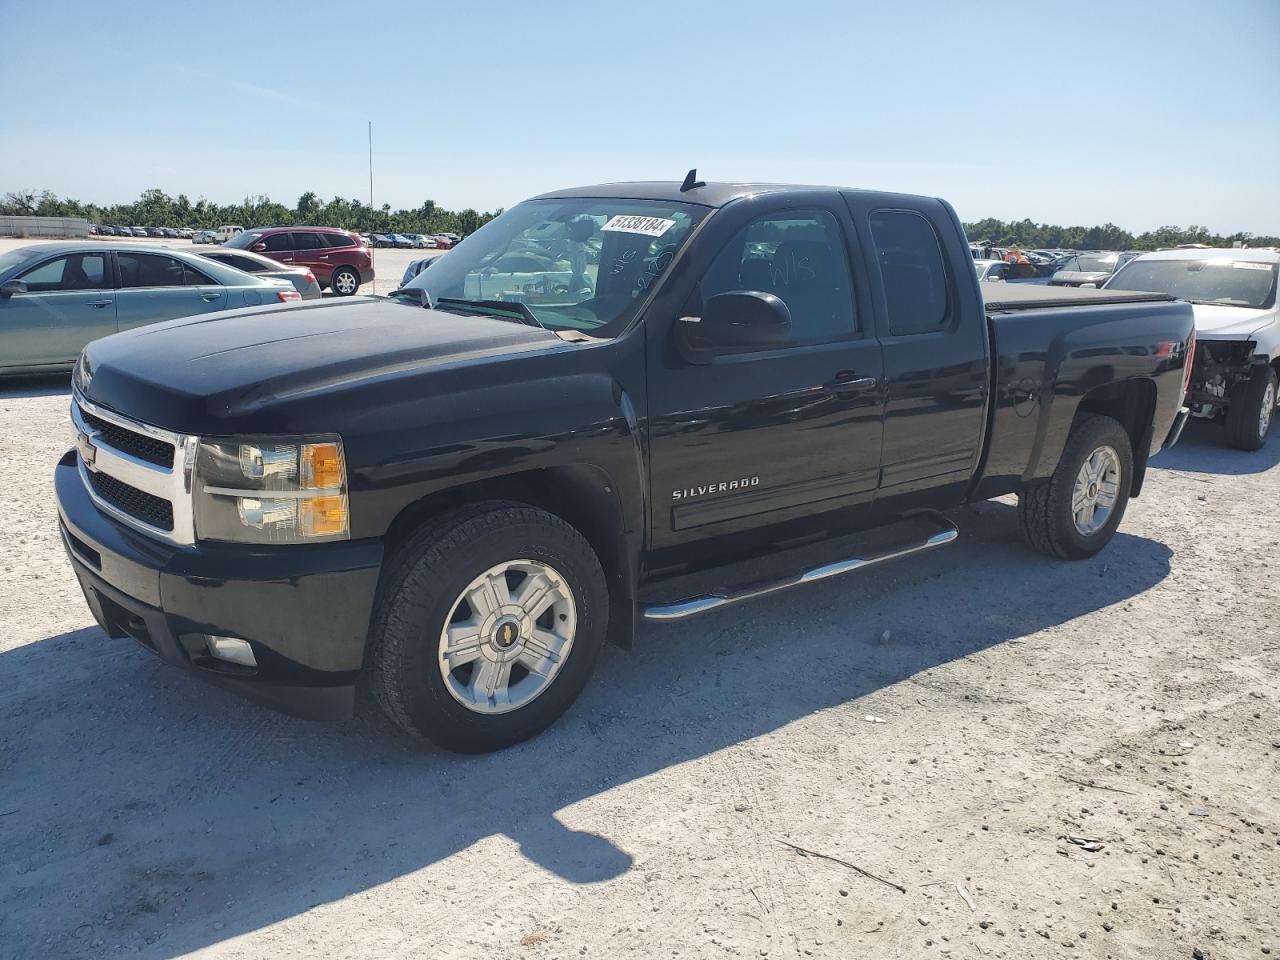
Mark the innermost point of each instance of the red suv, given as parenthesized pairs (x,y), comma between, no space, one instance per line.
(339,259)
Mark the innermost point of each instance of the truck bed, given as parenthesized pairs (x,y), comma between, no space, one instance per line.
(1009,297)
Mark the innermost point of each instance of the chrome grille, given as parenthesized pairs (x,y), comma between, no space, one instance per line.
(136,473)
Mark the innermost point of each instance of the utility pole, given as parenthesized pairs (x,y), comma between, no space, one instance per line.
(372,256)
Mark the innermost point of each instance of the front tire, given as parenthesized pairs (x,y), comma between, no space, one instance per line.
(344,282)
(1251,410)
(488,625)
(1075,513)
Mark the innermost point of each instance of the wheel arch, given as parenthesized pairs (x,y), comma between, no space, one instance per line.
(1132,402)
(582,495)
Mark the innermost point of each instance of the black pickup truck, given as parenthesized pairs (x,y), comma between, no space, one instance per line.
(609,405)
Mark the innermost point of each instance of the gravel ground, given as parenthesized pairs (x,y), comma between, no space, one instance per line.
(946,724)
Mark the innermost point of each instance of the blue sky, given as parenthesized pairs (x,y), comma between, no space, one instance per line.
(1138,113)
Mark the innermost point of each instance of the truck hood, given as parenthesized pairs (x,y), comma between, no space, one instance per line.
(1222,322)
(181,373)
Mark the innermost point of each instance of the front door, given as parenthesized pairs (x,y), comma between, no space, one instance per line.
(68,302)
(754,440)
(155,287)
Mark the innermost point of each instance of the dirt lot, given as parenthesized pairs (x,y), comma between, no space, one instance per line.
(934,723)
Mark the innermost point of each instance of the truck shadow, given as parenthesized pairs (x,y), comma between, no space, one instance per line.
(1203,449)
(194,817)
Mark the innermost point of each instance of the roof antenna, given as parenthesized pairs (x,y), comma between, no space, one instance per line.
(691,181)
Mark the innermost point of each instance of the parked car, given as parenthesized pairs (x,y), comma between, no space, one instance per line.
(443,242)
(1089,268)
(462,496)
(367,239)
(185,232)
(105,230)
(402,240)
(227,231)
(382,240)
(422,242)
(1236,379)
(302,278)
(415,267)
(138,231)
(204,236)
(339,260)
(56,297)
(154,231)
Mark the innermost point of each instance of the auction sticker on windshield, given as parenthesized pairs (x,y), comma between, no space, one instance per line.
(1247,265)
(649,226)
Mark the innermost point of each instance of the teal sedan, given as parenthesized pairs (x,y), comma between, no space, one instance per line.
(56,297)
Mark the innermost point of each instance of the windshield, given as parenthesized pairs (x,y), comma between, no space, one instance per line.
(574,264)
(243,240)
(1237,283)
(14,257)
(1096,264)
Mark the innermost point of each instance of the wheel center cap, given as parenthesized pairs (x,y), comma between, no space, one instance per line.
(506,634)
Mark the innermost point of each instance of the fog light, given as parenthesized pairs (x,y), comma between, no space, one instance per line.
(232,650)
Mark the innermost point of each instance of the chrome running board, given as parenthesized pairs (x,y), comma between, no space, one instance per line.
(947,531)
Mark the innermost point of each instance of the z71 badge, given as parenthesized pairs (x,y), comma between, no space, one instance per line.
(724,486)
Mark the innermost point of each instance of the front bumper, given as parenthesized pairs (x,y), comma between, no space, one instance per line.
(304,609)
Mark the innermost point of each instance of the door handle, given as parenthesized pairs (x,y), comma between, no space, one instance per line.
(209,297)
(846,381)
(100,303)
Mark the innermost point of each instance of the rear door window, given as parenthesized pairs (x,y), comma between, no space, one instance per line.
(912,272)
(150,270)
(337,240)
(308,241)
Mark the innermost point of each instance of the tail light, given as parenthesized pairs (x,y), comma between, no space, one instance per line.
(287,296)
(311,277)
(1191,359)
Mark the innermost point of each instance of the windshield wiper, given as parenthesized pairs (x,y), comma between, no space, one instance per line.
(417,293)
(521,311)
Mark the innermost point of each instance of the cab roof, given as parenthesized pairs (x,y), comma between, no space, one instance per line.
(707,195)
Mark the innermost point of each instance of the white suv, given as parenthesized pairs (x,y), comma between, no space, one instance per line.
(1237,362)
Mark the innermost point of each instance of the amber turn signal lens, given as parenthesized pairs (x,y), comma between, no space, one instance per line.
(321,466)
(322,516)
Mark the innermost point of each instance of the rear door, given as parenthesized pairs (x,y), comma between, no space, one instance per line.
(932,328)
(754,440)
(311,249)
(155,287)
(69,301)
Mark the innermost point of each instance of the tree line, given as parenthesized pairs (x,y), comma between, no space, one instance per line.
(155,208)
(1026,233)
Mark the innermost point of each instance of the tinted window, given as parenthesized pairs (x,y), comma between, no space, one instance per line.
(308,241)
(79,271)
(912,271)
(247,264)
(149,270)
(337,239)
(275,242)
(799,257)
(194,278)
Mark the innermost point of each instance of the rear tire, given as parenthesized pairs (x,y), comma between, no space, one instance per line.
(1064,516)
(424,618)
(344,282)
(1251,410)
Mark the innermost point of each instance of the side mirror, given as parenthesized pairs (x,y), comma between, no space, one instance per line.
(738,320)
(10,287)
(1088,286)
(258,247)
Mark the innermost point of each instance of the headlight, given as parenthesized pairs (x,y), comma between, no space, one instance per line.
(271,490)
